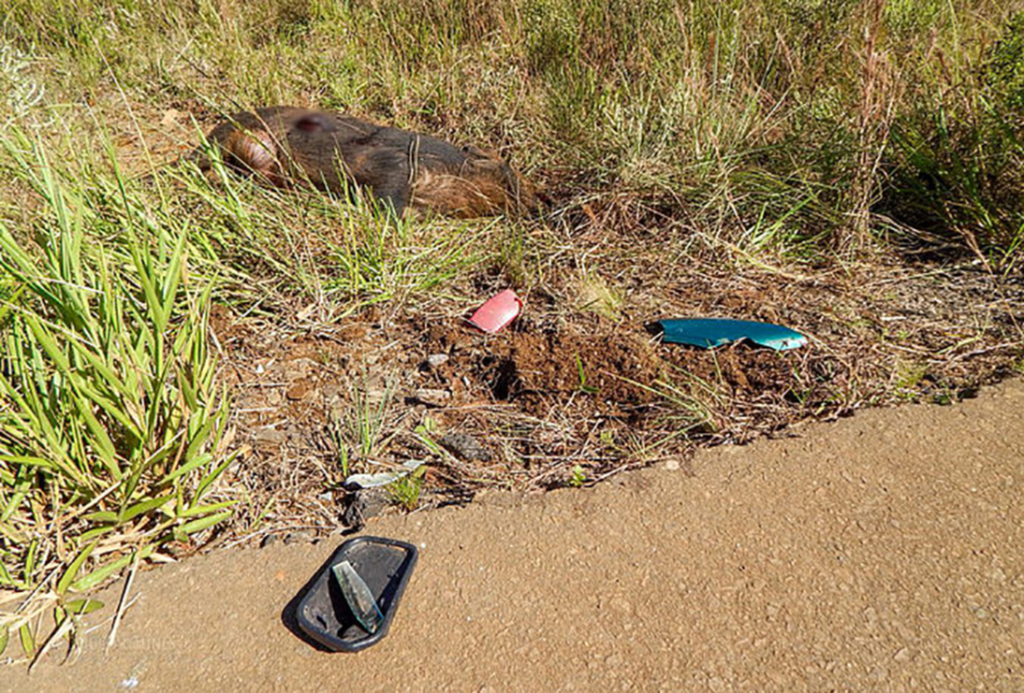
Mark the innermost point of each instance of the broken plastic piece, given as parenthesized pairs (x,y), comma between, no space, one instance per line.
(357,481)
(359,597)
(497,311)
(342,623)
(712,332)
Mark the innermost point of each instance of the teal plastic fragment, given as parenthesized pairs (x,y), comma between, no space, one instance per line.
(359,597)
(709,333)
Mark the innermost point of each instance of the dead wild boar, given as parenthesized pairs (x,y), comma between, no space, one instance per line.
(295,147)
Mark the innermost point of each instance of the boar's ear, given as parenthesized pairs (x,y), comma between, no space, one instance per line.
(472,152)
(495,170)
(479,153)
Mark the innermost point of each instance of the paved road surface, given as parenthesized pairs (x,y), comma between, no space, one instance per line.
(883,551)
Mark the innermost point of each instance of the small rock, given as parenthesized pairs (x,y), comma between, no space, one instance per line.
(331,392)
(295,537)
(362,505)
(269,435)
(467,447)
(298,391)
(431,397)
(268,540)
(672,465)
(903,655)
(435,360)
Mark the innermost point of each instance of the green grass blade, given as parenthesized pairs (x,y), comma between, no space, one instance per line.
(72,570)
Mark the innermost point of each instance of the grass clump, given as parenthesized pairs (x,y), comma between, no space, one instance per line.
(957,157)
(112,428)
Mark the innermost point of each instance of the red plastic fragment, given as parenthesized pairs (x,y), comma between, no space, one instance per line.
(497,311)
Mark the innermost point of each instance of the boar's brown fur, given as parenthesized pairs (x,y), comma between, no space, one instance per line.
(294,147)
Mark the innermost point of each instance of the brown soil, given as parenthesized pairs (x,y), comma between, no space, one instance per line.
(882,551)
(566,388)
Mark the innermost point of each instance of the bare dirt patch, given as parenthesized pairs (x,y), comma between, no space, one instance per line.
(562,391)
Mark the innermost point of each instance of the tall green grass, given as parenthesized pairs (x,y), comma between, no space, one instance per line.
(342,252)
(731,114)
(112,427)
(957,165)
